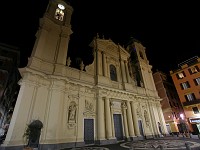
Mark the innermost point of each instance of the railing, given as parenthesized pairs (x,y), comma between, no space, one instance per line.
(196,101)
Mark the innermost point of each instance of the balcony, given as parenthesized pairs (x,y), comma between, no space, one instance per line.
(196,101)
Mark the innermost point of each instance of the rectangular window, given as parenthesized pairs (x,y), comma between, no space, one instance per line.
(195,110)
(190,97)
(193,69)
(180,75)
(185,85)
(197,81)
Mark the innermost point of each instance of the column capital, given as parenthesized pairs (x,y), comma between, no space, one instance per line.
(123,105)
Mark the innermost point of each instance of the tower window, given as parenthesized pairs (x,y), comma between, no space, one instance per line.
(59,14)
(113,73)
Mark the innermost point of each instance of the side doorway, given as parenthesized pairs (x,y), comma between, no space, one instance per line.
(141,128)
(89,131)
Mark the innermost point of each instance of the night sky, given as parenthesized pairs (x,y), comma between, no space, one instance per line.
(169,30)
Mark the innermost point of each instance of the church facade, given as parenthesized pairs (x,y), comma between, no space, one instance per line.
(112,99)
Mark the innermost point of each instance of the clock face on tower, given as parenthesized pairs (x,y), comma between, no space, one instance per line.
(61,6)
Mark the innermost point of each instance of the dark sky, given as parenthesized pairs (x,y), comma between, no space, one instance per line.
(169,30)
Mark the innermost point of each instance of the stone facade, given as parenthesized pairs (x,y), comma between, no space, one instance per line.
(98,104)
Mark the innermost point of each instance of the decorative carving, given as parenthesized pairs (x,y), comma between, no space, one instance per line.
(123,104)
(89,106)
(112,104)
(146,117)
(142,84)
(68,61)
(138,111)
(82,66)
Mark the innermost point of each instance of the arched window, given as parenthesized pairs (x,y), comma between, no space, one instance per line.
(113,73)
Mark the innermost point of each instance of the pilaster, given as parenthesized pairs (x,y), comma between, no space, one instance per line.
(130,120)
(124,107)
(135,119)
(108,119)
(100,119)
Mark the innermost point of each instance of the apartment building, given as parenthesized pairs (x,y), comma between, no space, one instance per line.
(187,82)
(170,103)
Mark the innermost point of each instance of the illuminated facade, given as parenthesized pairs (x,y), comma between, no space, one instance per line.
(114,98)
(187,82)
(171,106)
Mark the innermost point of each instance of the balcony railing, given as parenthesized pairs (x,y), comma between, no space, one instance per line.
(196,101)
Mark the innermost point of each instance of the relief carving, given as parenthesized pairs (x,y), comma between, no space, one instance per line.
(146,117)
(123,104)
(138,111)
(89,106)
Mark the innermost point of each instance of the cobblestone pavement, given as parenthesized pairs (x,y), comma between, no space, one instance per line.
(165,143)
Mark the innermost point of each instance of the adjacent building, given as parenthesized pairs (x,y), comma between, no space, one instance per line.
(114,98)
(187,82)
(9,77)
(171,105)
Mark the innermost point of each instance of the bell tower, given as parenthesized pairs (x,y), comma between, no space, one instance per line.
(52,38)
(139,64)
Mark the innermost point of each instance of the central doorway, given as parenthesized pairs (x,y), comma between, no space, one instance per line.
(118,126)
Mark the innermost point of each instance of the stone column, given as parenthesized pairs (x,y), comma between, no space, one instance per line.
(100,119)
(130,120)
(125,120)
(99,55)
(162,122)
(135,119)
(108,119)
(123,71)
(105,69)
(154,123)
(127,72)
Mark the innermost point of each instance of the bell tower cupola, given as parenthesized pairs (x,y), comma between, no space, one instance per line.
(52,38)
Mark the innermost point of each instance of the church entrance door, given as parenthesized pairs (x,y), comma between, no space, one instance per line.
(89,131)
(118,126)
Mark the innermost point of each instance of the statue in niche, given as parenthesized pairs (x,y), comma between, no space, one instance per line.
(72,112)
(146,117)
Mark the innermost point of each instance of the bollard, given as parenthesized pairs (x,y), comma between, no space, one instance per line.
(187,145)
(161,147)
